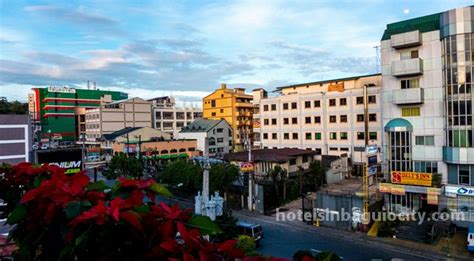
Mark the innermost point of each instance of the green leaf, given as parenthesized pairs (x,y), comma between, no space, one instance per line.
(160,190)
(81,238)
(204,224)
(17,214)
(142,208)
(38,180)
(97,186)
(74,209)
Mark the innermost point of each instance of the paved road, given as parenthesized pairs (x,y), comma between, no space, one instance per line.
(284,239)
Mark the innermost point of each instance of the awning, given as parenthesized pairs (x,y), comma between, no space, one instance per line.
(398,125)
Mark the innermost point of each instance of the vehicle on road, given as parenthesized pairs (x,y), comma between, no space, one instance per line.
(470,238)
(93,158)
(44,147)
(250,229)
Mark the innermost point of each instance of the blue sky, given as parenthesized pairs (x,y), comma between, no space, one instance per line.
(187,48)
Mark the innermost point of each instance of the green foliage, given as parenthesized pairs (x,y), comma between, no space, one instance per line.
(14,107)
(123,166)
(316,175)
(436,180)
(204,224)
(388,228)
(228,223)
(221,177)
(246,243)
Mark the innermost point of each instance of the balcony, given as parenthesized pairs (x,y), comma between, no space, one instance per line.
(407,67)
(408,96)
(244,104)
(404,40)
(457,155)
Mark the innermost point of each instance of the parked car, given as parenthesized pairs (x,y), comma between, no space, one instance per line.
(93,158)
(35,147)
(470,238)
(250,229)
(44,147)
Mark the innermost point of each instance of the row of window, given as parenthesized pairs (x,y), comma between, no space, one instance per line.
(317,103)
(317,119)
(318,136)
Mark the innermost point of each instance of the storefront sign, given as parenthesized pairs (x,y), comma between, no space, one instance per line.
(371,150)
(336,87)
(458,190)
(61,89)
(385,188)
(412,178)
(246,166)
(371,160)
(372,170)
(398,190)
(393,189)
(69,159)
(432,199)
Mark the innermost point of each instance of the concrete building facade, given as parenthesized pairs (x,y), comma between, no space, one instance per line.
(325,116)
(234,106)
(171,118)
(15,139)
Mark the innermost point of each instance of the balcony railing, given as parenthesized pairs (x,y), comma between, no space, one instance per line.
(404,40)
(407,67)
(408,96)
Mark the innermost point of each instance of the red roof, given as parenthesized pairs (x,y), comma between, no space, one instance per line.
(272,155)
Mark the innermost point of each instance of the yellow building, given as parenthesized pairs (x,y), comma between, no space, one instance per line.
(234,106)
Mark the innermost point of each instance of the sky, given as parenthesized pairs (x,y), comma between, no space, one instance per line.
(188,48)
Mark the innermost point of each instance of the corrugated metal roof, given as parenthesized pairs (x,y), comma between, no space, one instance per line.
(114,135)
(424,24)
(200,125)
(328,81)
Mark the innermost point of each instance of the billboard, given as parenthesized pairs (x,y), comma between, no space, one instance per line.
(412,178)
(69,159)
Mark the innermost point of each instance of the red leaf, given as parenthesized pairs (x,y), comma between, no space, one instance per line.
(132,218)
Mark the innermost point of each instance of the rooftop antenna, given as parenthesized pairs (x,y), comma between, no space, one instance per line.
(88,85)
(95,86)
(377,58)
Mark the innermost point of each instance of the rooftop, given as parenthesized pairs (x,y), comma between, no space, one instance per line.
(424,24)
(272,155)
(201,125)
(327,81)
(114,135)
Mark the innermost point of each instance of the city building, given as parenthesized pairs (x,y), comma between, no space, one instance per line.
(53,109)
(264,160)
(15,139)
(131,135)
(234,106)
(427,71)
(159,149)
(114,116)
(169,117)
(324,116)
(213,136)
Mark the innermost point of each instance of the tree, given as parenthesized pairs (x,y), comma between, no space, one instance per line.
(14,107)
(182,172)
(221,177)
(317,174)
(123,166)
(277,175)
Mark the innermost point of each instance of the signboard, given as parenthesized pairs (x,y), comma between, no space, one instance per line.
(412,178)
(371,150)
(372,170)
(246,166)
(69,159)
(393,189)
(459,190)
(398,190)
(432,195)
(61,89)
(336,87)
(372,160)
(256,123)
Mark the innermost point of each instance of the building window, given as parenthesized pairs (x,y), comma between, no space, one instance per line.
(295,136)
(360,136)
(220,130)
(286,121)
(410,83)
(286,136)
(317,136)
(222,110)
(213,114)
(317,104)
(360,100)
(406,55)
(373,117)
(464,175)
(307,104)
(372,99)
(360,117)
(333,149)
(332,119)
(373,135)
(332,102)
(343,135)
(220,140)
(294,105)
(294,120)
(305,158)
(285,106)
(333,135)
(274,136)
(317,119)
(410,111)
(342,102)
(307,120)
(265,136)
(265,107)
(274,121)
(424,140)
(308,136)
(274,107)
(292,161)
(343,118)
(265,122)
(213,103)
(344,149)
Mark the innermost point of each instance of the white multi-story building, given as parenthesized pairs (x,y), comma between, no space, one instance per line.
(427,68)
(325,116)
(170,118)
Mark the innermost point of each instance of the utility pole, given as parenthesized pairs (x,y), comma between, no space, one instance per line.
(366,169)
(205,176)
(128,145)
(250,173)
(83,137)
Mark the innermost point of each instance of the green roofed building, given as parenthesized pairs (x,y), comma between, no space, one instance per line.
(59,111)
